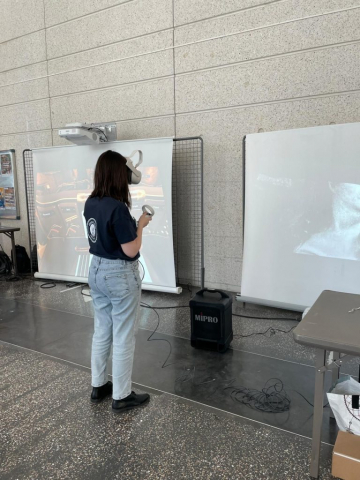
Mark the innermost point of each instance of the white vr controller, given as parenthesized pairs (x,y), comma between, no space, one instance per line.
(148,210)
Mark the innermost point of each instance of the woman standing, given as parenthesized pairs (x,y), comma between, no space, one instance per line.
(114,279)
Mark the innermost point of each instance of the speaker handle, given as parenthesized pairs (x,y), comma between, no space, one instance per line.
(211,290)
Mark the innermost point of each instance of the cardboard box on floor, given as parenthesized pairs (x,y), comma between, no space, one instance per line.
(346,457)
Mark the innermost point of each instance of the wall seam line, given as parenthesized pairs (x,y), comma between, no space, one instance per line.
(333,45)
(89,14)
(47,71)
(233,12)
(219,109)
(271,102)
(173,59)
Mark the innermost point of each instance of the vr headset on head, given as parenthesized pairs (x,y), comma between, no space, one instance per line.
(134,175)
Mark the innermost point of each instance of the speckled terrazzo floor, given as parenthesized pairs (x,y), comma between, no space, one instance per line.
(193,374)
(176,322)
(49,430)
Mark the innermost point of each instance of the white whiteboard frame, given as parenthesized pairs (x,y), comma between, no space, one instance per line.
(76,279)
(263,301)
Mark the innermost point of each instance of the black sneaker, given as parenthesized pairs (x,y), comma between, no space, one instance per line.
(98,394)
(132,401)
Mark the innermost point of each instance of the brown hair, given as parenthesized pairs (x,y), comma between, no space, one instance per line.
(111,177)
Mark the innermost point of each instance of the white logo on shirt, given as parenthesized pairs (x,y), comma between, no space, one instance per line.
(92,229)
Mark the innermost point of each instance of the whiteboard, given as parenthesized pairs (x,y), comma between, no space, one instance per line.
(302,215)
(63,180)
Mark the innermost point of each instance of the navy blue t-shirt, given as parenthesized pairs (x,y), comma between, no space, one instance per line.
(109,225)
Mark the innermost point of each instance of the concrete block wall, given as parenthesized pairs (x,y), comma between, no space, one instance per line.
(220,69)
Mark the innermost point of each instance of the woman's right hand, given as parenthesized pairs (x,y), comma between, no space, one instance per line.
(144,220)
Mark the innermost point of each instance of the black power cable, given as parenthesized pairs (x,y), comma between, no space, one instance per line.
(234,314)
(268,318)
(189,374)
(48,285)
(151,339)
(168,308)
(13,278)
(272,331)
(272,398)
(307,401)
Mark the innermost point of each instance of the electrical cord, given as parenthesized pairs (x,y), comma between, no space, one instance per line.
(234,314)
(272,331)
(268,318)
(272,398)
(307,401)
(151,339)
(13,278)
(48,285)
(169,308)
(189,374)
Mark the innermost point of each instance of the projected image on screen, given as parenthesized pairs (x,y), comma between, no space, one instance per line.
(60,200)
(150,191)
(302,214)
(338,233)
(64,181)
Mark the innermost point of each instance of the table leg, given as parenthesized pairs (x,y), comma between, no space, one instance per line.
(320,362)
(14,254)
(335,374)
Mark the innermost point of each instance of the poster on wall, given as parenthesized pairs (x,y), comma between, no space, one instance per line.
(9,205)
(63,180)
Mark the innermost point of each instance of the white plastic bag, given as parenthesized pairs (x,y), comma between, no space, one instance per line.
(346,386)
(342,404)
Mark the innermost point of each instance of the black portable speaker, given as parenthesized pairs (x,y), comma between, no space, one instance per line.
(211,320)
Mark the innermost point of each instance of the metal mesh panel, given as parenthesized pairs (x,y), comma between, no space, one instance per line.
(30,199)
(187,193)
(188,210)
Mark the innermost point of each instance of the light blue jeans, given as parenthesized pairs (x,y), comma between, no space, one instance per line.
(115,289)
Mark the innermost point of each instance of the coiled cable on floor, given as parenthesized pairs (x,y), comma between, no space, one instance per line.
(272,398)
(14,278)
(48,285)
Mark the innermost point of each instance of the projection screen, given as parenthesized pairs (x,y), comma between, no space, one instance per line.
(302,215)
(63,178)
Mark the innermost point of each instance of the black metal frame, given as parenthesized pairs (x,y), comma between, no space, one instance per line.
(30,207)
(188,209)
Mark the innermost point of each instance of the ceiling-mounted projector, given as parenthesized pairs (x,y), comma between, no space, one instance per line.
(89,133)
